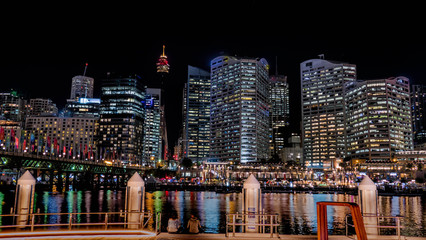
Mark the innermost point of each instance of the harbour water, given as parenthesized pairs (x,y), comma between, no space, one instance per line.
(297,211)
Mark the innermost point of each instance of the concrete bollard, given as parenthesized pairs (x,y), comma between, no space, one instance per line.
(135,201)
(252,204)
(367,198)
(24,198)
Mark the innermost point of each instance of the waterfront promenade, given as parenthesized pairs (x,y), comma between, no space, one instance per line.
(137,234)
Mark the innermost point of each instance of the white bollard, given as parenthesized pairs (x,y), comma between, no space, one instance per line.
(252,204)
(367,198)
(24,198)
(135,201)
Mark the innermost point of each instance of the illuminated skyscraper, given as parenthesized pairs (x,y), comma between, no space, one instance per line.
(418,107)
(378,118)
(162,63)
(152,144)
(279,117)
(323,105)
(121,119)
(196,115)
(239,109)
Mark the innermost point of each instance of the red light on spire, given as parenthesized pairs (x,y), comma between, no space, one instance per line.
(162,63)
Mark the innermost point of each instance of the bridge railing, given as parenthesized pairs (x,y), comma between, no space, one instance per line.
(70,221)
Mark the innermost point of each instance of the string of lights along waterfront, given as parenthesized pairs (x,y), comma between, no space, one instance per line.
(235,121)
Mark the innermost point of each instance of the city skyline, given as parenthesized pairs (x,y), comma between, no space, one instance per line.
(39,56)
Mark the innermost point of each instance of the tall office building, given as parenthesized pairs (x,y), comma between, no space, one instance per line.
(378,118)
(280,110)
(121,119)
(12,106)
(82,87)
(323,115)
(239,119)
(42,107)
(418,108)
(152,139)
(196,114)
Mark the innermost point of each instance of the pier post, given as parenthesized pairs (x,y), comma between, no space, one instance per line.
(24,198)
(135,201)
(367,198)
(252,204)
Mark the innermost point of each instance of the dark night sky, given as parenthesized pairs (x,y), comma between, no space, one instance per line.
(44,46)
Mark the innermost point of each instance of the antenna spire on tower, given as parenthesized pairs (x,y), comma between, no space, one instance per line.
(164,46)
(85,69)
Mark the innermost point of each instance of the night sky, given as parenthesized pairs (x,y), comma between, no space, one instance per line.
(44,46)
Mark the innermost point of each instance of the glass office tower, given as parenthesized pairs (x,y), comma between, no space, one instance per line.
(378,118)
(323,115)
(280,110)
(152,135)
(418,107)
(121,119)
(196,115)
(239,119)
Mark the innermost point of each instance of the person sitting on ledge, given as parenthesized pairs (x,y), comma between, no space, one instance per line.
(194,225)
(173,224)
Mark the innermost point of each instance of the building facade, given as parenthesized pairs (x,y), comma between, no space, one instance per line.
(239,119)
(40,106)
(67,137)
(418,109)
(152,138)
(121,119)
(280,112)
(323,115)
(196,115)
(82,87)
(378,119)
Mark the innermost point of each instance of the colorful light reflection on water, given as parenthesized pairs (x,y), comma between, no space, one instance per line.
(297,211)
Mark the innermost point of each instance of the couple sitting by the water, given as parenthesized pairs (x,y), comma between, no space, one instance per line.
(173,225)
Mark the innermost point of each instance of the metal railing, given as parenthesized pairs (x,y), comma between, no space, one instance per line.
(397,225)
(262,223)
(69,221)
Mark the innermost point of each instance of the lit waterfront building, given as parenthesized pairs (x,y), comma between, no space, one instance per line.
(152,141)
(40,106)
(84,107)
(82,86)
(280,110)
(12,106)
(239,119)
(323,115)
(196,115)
(378,118)
(293,151)
(418,109)
(73,137)
(121,119)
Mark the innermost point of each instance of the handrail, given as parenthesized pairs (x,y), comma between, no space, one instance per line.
(397,226)
(264,220)
(71,217)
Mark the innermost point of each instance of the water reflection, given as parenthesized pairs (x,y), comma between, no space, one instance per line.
(297,211)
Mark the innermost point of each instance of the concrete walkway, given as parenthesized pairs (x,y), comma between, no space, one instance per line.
(241,236)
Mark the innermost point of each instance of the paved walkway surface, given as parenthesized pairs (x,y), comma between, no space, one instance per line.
(206,236)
